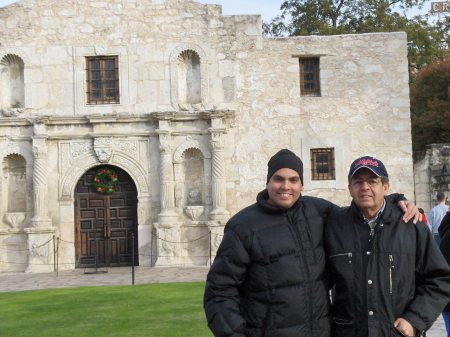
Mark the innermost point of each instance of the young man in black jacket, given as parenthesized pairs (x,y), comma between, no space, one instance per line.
(390,278)
(268,278)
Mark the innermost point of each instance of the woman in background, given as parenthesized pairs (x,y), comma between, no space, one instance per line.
(424,217)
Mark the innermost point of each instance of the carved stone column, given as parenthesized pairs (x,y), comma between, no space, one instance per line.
(218,179)
(40,194)
(40,234)
(167,195)
(167,229)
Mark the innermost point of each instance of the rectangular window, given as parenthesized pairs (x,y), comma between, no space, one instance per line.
(322,164)
(309,76)
(102,80)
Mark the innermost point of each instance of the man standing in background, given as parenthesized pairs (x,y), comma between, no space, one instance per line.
(436,215)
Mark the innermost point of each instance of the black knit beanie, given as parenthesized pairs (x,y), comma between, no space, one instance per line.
(284,159)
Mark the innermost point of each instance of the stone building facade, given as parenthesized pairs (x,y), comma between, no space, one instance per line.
(181,107)
(431,174)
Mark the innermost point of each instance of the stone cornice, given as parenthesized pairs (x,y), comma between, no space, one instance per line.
(118,118)
(193,115)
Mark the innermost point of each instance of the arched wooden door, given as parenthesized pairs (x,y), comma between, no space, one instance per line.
(105,224)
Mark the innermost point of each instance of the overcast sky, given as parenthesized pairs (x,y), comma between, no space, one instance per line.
(268,9)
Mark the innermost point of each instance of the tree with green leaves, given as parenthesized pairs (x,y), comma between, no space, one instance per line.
(430,105)
(426,42)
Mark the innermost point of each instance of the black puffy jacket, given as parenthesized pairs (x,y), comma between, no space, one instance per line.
(394,271)
(444,233)
(268,278)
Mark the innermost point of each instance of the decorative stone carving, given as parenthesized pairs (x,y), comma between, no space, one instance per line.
(219,211)
(168,240)
(126,146)
(167,192)
(15,219)
(11,112)
(40,197)
(194,212)
(80,148)
(103,149)
(40,249)
(15,51)
(194,197)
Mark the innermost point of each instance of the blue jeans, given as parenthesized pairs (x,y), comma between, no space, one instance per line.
(437,238)
(446,316)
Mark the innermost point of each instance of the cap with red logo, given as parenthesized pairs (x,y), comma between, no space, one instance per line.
(371,163)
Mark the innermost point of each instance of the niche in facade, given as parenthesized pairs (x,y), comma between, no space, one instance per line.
(194,183)
(14,172)
(12,88)
(189,78)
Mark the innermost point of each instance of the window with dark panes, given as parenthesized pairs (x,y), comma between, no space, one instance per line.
(309,76)
(102,80)
(322,164)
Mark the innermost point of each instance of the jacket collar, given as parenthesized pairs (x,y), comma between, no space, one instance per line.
(386,217)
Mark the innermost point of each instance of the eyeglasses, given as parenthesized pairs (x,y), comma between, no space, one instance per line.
(372,182)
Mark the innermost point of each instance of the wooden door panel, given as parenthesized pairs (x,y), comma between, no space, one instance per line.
(105,223)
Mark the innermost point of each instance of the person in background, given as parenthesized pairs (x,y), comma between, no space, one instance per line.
(444,232)
(436,214)
(424,217)
(390,278)
(268,277)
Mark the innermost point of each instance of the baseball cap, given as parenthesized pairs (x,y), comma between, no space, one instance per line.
(371,163)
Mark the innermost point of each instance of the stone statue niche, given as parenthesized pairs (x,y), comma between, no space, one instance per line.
(12,88)
(194,183)
(189,79)
(14,191)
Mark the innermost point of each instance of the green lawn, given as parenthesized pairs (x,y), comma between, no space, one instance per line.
(154,310)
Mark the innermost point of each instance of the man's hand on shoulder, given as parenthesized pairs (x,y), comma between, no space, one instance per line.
(411,211)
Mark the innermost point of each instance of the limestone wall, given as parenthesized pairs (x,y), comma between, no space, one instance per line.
(363,109)
(246,106)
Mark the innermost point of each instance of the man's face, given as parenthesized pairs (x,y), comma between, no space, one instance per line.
(284,187)
(368,191)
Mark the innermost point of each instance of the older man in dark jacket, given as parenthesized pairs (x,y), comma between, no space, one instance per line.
(268,278)
(444,233)
(390,278)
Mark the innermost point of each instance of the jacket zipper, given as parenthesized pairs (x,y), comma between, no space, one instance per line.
(303,260)
(391,267)
(349,254)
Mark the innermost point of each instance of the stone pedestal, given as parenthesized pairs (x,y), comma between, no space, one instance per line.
(40,246)
(167,239)
(216,229)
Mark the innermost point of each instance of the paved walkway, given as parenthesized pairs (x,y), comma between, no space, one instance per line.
(123,276)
